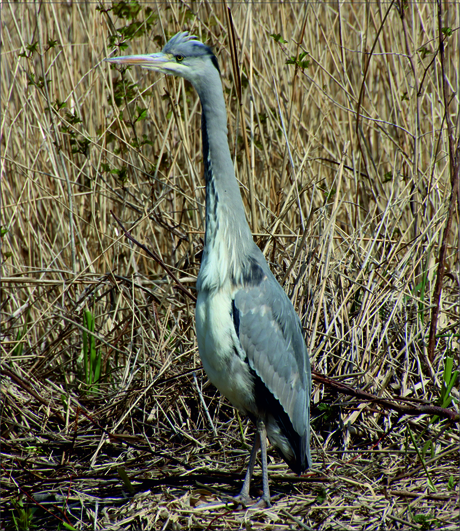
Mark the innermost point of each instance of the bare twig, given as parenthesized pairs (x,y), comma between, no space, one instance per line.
(403,410)
(157,259)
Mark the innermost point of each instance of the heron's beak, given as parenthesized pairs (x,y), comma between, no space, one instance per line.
(154,61)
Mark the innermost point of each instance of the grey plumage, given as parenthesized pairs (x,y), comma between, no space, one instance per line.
(249,336)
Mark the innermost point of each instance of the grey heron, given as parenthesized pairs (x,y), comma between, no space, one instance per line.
(249,336)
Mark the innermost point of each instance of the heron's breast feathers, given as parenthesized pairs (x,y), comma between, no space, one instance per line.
(221,354)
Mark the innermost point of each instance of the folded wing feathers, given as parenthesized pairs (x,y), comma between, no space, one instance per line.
(276,353)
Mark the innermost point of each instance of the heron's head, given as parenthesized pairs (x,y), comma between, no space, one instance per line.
(183,56)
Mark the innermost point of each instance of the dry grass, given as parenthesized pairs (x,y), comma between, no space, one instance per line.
(351,185)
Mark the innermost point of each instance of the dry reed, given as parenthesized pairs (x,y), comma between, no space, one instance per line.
(350,177)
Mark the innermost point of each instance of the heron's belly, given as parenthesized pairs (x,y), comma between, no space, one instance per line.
(219,354)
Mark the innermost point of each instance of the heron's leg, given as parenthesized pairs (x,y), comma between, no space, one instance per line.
(243,496)
(261,430)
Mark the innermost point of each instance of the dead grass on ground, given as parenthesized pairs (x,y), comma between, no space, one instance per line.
(108,421)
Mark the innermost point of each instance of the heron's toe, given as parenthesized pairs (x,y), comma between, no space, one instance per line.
(246,502)
(242,501)
(262,503)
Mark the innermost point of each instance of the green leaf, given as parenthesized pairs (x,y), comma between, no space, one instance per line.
(448,366)
(322,495)
(141,114)
(51,44)
(428,446)
(126,482)
(32,47)
(85,348)
(277,38)
(388,176)
(127,10)
(424,52)
(428,477)
(98,366)
(450,378)
(447,396)
(293,60)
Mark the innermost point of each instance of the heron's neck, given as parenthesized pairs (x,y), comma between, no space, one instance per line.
(227,232)
(224,206)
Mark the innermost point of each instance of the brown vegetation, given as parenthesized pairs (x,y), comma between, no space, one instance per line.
(351,116)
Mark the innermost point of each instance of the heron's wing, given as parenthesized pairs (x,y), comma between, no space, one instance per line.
(271,336)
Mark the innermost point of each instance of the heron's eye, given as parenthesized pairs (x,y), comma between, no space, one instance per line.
(179,58)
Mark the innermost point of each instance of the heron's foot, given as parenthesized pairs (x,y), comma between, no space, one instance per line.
(244,501)
(262,503)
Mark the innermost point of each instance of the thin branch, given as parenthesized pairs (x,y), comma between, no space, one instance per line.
(388,404)
(157,259)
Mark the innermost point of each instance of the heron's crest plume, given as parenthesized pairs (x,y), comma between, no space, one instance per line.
(183,43)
